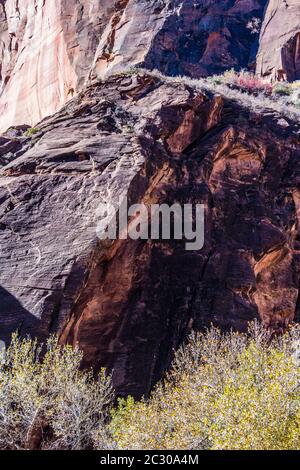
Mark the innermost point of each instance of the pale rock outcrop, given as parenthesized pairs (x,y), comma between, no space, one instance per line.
(46,49)
(279,51)
(130,303)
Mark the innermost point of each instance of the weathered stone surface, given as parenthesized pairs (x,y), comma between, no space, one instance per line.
(279,52)
(46,50)
(194,38)
(128,303)
(50,49)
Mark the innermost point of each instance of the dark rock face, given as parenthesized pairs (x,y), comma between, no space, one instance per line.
(206,37)
(128,303)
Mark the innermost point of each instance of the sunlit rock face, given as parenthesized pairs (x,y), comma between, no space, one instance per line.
(50,49)
(279,52)
(46,49)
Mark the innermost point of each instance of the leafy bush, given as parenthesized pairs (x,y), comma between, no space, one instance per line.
(245,81)
(282,89)
(229,391)
(31,131)
(47,402)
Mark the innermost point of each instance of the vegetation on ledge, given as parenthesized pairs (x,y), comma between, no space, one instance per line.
(247,89)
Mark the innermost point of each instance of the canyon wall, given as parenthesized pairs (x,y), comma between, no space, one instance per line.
(50,49)
(46,50)
(129,303)
(279,52)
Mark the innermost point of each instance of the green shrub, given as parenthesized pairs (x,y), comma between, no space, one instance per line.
(282,89)
(31,131)
(224,392)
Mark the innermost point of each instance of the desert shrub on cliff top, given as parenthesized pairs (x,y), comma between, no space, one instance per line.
(229,391)
(245,91)
(243,81)
(47,402)
(282,96)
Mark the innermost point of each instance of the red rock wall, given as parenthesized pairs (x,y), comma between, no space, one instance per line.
(46,50)
(279,52)
(128,303)
(49,49)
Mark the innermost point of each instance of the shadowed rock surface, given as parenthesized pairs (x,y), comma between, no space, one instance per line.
(50,49)
(13,317)
(128,303)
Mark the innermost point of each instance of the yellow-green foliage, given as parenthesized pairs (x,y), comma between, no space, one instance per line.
(31,131)
(290,92)
(46,401)
(224,392)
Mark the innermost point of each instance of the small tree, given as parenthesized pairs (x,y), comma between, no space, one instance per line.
(47,402)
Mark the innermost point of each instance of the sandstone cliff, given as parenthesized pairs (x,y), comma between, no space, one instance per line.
(279,52)
(50,49)
(129,303)
(46,49)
